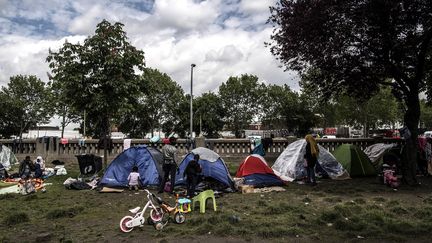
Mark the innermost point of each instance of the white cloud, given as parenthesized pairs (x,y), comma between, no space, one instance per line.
(224,38)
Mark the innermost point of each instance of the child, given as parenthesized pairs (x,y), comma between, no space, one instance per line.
(133,179)
(191,172)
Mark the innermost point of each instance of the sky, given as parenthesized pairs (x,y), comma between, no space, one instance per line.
(222,37)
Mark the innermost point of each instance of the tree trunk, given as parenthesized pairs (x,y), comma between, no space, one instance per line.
(411,119)
(63,126)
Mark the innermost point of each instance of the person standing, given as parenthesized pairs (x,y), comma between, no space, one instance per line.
(169,166)
(311,157)
(192,174)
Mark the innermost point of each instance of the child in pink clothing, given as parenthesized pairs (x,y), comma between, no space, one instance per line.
(133,179)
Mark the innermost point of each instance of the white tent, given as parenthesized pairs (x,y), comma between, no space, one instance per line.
(289,165)
(7,157)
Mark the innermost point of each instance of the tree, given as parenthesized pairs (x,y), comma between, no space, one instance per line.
(60,106)
(240,97)
(357,46)
(209,115)
(426,115)
(156,106)
(25,104)
(380,110)
(9,117)
(99,76)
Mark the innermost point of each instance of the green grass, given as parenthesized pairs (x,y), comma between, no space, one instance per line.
(334,211)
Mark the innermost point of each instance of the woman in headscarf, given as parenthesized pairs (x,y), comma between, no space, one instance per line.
(311,157)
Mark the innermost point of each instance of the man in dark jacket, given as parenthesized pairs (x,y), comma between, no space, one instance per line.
(192,174)
(26,168)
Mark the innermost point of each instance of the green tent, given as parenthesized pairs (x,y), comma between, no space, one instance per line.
(354,160)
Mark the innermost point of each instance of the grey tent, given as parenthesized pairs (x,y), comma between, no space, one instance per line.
(376,152)
(7,157)
(289,165)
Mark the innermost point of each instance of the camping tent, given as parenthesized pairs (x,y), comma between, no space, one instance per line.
(256,172)
(212,166)
(376,152)
(147,159)
(354,160)
(289,165)
(7,157)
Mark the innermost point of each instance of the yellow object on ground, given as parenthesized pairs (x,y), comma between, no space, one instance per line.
(202,199)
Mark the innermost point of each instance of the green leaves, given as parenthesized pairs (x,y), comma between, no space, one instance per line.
(98,76)
(24,103)
(241,100)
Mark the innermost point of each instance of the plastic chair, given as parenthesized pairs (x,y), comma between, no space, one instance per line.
(202,199)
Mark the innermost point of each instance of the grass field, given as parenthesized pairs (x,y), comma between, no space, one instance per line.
(333,211)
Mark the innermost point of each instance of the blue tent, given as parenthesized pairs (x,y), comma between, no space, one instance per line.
(147,159)
(212,166)
(262,180)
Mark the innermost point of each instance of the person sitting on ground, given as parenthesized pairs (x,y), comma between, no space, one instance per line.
(41,162)
(37,170)
(133,179)
(192,175)
(39,167)
(26,168)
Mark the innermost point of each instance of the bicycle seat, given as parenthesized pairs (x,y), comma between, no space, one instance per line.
(134,210)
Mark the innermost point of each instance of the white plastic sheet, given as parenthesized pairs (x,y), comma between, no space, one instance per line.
(289,165)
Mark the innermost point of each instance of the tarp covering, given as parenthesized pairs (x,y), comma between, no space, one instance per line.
(289,165)
(147,159)
(376,152)
(354,160)
(212,166)
(7,157)
(263,180)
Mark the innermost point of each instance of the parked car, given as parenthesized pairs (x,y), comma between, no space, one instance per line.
(329,136)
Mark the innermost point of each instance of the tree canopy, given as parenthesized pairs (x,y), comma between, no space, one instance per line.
(209,115)
(241,101)
(355,47)
(24,104)
(99,76)
(156,105)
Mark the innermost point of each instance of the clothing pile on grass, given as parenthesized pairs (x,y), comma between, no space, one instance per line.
(30,176)
(90,165)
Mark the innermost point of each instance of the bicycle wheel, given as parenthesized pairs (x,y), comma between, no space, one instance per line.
(123,224)
(179,218)
(156,214)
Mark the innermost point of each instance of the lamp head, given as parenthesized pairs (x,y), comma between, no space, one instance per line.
(193,65)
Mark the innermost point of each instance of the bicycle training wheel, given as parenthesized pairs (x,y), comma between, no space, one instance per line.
(179,218)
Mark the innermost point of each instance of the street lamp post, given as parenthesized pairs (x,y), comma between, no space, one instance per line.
(191,100)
